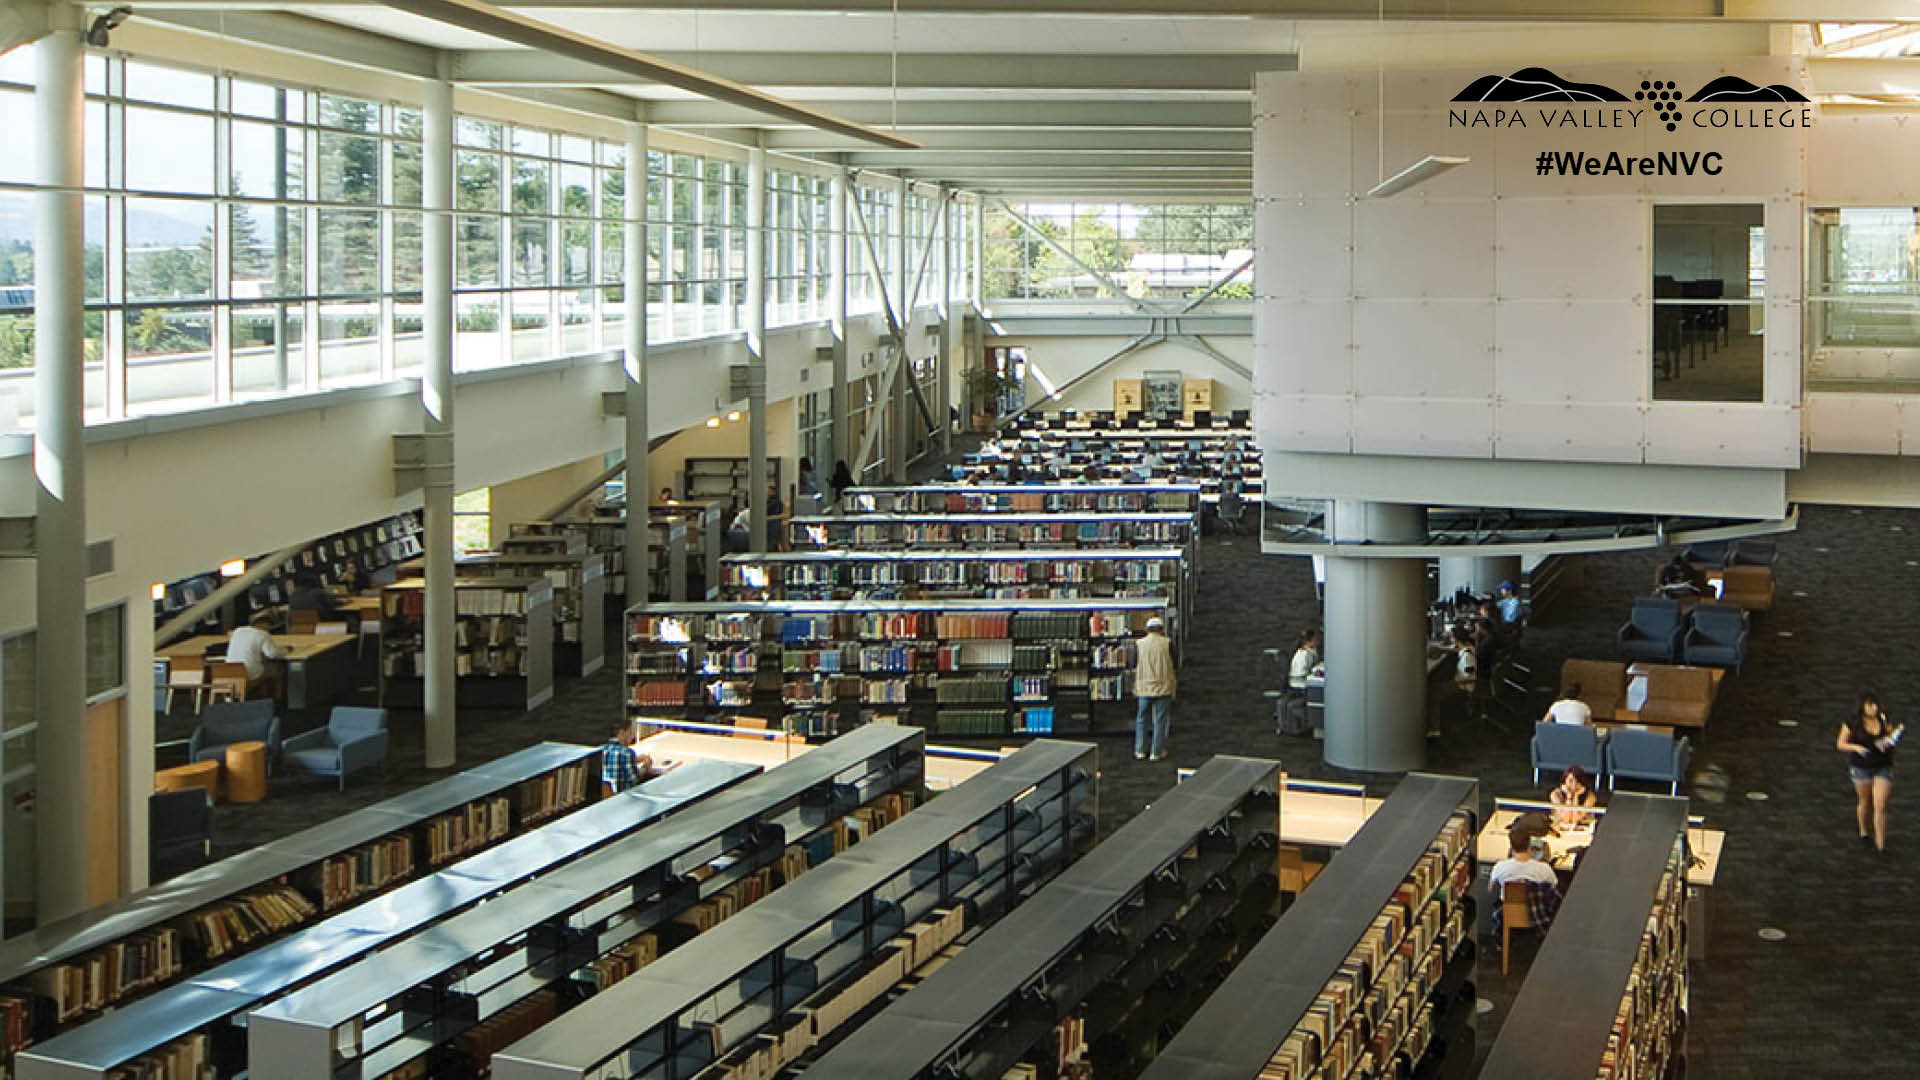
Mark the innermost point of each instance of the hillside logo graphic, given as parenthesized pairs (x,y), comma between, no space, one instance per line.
(1537,98)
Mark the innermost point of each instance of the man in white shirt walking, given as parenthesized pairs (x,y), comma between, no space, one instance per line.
(1153,686)
(254,646)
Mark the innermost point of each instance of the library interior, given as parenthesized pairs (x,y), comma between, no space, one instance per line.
(1311,455)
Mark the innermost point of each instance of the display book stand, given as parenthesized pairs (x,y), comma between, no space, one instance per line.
(1062,530)
(61,975)
(790,969)
(579,584)
(707,478)
(503,644)
(1368,974)
(1606,996)
(1056,984)
(442,1001)
(1024,498)
(961,668)
(1017,573)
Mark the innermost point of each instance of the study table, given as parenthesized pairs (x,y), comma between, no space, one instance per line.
(320,667)
(946,766)
(1628,712)
(1703,845)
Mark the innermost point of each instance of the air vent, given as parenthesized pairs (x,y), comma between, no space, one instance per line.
(99,558)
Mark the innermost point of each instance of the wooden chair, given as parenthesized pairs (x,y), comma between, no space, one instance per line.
(1515,914)
(230,678)
(302,622)
(191,679)
(754,723)
(1296,870)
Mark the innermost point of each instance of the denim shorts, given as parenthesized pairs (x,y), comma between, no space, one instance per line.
(1861,776)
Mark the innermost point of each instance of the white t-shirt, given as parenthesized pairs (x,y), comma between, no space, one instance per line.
(1466,667)
(1301,667)
(253,648)
(1570,711)
(1512,869)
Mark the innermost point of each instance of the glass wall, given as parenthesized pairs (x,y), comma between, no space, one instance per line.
(1863,292)
(1170,250)
(1709,301)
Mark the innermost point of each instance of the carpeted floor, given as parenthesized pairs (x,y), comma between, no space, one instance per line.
(1848,583)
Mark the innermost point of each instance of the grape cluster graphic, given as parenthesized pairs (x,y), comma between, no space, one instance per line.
(1666,98)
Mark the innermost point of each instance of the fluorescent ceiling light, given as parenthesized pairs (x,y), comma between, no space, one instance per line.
(1415,174)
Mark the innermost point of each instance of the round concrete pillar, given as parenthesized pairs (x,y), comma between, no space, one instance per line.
(1376,692)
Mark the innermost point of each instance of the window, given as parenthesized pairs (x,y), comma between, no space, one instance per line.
(472,520)
(1169,250)
(1863,292)
(1709,282)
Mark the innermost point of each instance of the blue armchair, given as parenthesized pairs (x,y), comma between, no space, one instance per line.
(1653,631)
(229,722)
(1718,636)
(1556,746)
(354,739)
(1659,756)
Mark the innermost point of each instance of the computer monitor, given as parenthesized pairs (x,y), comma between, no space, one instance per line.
(1202,418)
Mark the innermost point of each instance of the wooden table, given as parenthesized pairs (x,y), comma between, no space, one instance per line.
(246,771)
(319,667)
(1491,846)
(204,775)
(669,748)
(1321,818)
(367,607)
(1623,716)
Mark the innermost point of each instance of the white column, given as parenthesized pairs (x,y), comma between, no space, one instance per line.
(902,409)
(59,467)
(949,320)
(639,484)
(837,293)
(977,238)
(1376,636)
(757,346)
(436,399)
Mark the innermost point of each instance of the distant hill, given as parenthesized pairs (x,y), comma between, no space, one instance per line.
(1735,88)
(153,221)
(1535,84)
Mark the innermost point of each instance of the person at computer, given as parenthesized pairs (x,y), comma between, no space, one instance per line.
(1573,794)
(309,595)
(253,646)
(1680,579)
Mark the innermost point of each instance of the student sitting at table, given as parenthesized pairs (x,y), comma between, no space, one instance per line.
(1680,579)
(254,646)
(1574,792)
(308,595)
(1522,864)
(1568,708)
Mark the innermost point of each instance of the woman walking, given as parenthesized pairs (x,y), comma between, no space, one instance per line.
(1868,739)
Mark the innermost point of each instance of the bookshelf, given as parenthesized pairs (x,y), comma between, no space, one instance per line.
(503,651)
(1368,974)
(986,845)
(907,574)
(1181,454)
(194,1019)
(371,549)
(1606,996)
(705,479)
(1064,530)
(960,668)
(153,926)
(578,604)
(1040,988)
(705,524)
(435,1000)
(1025,498)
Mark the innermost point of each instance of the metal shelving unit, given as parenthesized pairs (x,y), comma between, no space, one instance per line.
(1203,844)
(1253,1013)
(1033,498)
(1062,530)
(1564,1017)
(409,1001)
(238,986)
(986,844)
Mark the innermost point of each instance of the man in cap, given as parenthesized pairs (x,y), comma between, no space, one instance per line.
(1153,684)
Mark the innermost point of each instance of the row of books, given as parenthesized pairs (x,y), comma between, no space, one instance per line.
(399,659)
(553,792)
(497,1032)
(102,977)
(186,1058)
(468,829)
(967,691)
(824,660)
(970,722)
(1648,1031)
(1044,498)
(345,877)
(229,925)
(659,695)
(869,534)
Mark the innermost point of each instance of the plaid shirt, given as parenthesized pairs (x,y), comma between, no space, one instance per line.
(619,765)
(1543,903)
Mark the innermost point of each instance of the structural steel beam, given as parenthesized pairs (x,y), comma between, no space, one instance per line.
(1363,10)
(1096,161)
(916,71)
(924,115)
(1161,140)
(559,44)
(859,215)
(21,22)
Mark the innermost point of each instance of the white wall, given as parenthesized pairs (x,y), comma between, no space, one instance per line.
(1493,313)
(1055,360)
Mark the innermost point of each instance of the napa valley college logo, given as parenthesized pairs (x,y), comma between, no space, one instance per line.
(1535,99)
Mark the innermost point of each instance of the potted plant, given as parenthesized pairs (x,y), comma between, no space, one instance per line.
(985,387)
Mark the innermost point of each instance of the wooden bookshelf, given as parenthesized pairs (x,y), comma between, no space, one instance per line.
(1025,498)
(908,574)
(592,923)
(503,653)
(163,935)
(1158,885)
(1606,997)
(705,479)
(1368,974)
(815,951)
(960,668)
(372,549)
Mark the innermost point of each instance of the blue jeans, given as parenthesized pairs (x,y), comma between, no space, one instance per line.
(1160,710)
